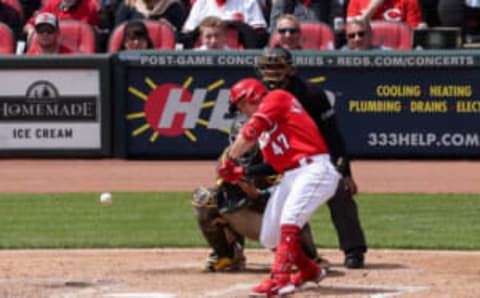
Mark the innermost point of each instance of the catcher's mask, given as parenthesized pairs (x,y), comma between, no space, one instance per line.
(275,67)
(250,89)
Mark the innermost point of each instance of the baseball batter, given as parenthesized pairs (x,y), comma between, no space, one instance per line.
(293,145)
(227,213)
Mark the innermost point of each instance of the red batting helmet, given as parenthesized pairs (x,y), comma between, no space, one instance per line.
(251,89)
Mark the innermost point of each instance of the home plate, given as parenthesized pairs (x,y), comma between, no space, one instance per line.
(141,295)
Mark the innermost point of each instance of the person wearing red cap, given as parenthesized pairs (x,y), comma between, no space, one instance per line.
(47,34)
(292,144)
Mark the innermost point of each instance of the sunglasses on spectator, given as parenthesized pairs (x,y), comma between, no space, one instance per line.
(289,30)
(359,33)
(46,29)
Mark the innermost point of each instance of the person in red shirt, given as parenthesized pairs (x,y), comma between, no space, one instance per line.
(81,10)
(407,11)
(292,144)
(47,37)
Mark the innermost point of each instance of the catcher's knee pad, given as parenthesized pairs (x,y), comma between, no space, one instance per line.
(204,197)
(203,201)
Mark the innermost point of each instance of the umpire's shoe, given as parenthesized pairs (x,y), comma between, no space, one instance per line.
(354,260)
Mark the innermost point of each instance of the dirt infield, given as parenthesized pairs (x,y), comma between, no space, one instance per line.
(26,175)
(175,273)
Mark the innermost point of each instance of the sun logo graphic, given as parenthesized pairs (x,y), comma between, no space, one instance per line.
(174,110)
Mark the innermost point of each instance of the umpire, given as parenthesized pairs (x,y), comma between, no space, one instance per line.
(277,71)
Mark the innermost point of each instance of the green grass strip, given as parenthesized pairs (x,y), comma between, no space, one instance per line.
(146,220)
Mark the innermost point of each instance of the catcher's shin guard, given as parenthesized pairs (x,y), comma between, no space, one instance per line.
(210,221)
(223,240)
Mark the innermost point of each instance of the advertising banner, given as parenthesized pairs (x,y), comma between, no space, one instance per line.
(50,109)
(406,112)
(177,112)
(393,105)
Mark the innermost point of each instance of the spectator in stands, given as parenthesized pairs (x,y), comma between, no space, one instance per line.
(107,12)
(430,12)
(212,31)
(301,9)
(136,37)
(248,12)
(461,13)
(48,33)
(358,32)
(407,11)
(289,32)
(172,11)
(80,10)
(29,7)
(10,17)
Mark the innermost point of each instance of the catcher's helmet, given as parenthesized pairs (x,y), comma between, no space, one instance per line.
(275,66)
(251,89)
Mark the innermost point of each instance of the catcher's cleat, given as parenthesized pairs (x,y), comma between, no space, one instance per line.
(322,262)
(272,287)
(310,274)
(223,264)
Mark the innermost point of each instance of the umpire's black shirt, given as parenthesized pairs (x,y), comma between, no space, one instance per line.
(316,103)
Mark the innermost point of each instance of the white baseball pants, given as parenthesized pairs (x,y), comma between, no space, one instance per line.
(301,191)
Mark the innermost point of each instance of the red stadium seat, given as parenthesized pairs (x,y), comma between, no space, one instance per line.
(76,35)
(7,46)
(17,6)
(395,35)
(161,34)
(315,36)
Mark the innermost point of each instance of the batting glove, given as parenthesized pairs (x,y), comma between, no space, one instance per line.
(229,171)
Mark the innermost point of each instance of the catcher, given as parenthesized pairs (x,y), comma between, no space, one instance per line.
(228,213)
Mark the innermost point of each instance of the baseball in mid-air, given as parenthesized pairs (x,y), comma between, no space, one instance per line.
(106,198)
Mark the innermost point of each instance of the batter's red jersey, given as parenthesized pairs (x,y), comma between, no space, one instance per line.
(291,135)
(407,11)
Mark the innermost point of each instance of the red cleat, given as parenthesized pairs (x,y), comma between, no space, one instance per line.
(271,287)
(313,274)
